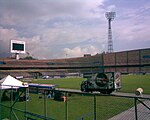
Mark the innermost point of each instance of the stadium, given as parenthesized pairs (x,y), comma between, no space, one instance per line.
(25,94)
(109,85)
(43,102)
(126,62)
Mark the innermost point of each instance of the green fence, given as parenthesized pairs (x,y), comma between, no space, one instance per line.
(64,105)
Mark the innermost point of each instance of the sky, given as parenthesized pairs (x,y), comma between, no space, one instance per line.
(54,29)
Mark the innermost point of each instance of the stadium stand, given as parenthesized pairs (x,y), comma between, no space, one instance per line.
(134,61)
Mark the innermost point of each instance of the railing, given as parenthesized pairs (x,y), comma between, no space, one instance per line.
(69,105)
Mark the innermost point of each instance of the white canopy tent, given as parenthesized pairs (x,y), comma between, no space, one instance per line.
(11,82)
(9,92)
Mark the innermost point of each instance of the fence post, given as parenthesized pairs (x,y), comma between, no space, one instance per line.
(66,105)
(45,105)
(11,102)
(0,104)
(26,98)
(135,104)
(94,107)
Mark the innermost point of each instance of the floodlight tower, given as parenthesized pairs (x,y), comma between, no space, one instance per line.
(110,17)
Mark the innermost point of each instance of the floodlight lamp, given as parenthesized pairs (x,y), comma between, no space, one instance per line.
(110,15)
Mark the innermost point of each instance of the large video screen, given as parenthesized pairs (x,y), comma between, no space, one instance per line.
(17,46)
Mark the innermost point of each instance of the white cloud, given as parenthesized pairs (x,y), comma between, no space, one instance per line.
(79,51)
(111,8)
(7,34)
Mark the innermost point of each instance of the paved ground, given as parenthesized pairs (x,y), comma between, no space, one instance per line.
(143,113)
(114,93)
(130,94)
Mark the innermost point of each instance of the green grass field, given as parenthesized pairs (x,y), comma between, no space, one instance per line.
(78,106)
(72,83)
(129,83)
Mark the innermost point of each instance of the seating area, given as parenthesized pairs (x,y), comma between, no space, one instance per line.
(21,74)
(135,61)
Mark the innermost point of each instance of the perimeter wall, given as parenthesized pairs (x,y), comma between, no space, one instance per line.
(135,61)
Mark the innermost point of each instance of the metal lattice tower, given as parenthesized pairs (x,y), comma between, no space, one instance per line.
(110,17)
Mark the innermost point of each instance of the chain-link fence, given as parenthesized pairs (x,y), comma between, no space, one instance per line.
(64,105)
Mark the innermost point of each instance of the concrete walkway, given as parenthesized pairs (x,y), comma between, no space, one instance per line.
(143,113)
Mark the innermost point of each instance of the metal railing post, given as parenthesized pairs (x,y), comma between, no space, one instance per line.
(135,104)
(25,103)
(0,104)
(45,105)
(94,107)
(11,102)
(66,105)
